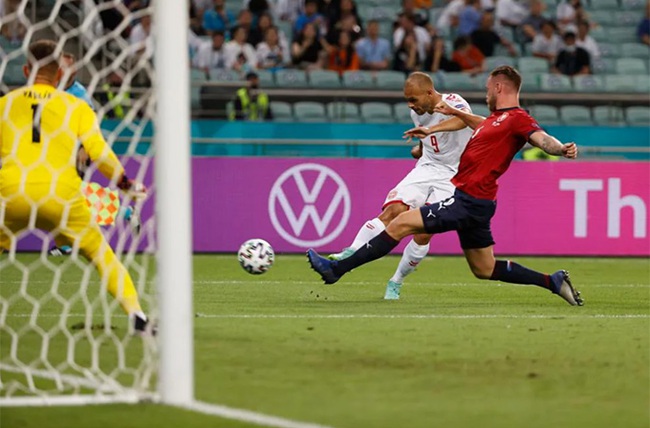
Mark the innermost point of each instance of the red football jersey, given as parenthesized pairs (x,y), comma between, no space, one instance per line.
(490,150)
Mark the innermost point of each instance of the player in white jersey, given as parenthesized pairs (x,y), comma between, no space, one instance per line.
(428,182)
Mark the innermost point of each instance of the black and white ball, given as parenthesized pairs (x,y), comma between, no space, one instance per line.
(256,256)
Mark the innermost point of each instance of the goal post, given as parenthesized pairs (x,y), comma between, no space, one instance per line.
(63,339)
(172,171)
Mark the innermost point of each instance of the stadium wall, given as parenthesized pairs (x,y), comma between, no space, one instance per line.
(363,140)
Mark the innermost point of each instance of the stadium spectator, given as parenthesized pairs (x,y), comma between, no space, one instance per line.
(586,42)
(568,14)
(469,18)
(643,31)
(547,43)
(306,49)
(572,60)
(374,52)
(218,18)
(212,54)
(467,56)
(437,59)
(250,102)
(257,33)
(140,37)
(420,15)
(510,13)
(273,52)
(532,25)
(288,10)
(310,16)
(486,39)
(407,25)
(343,18)
(342,56)
(240,56)
(258,7)
(115,101)
(245,20)
(448,19)
(407,57)
(196,20)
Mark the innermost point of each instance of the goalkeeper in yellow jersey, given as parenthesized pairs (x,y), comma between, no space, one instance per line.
(40,131)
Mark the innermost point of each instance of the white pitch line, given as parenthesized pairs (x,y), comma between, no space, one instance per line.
(248,416)
(422,316)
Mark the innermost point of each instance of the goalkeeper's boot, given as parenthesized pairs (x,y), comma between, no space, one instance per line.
(323,267)
(392,290)
(64,250)
(561,285)
(347,252)
(143,327)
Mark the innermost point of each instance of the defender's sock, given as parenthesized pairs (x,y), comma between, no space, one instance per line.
(369,230)
(413,255)
(509,271)
(376,248)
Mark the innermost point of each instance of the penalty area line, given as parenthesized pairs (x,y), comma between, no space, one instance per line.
(423,316)
(248,416)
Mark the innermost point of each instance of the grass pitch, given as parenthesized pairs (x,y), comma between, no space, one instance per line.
(454,351)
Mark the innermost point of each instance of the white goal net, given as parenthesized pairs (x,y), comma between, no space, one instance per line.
(69,325)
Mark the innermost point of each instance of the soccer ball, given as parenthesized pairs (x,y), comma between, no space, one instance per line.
(256,256)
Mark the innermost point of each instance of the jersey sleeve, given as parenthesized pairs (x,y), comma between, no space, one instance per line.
(458,102)
(525,126)
(92,140)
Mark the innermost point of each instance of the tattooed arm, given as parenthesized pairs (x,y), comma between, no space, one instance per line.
(553,146)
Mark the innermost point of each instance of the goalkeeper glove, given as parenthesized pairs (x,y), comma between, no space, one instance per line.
(133,189)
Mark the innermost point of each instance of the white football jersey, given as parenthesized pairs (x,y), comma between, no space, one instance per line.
(443,149)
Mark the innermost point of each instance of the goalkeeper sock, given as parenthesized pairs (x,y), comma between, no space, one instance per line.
(509,271)
(369,230)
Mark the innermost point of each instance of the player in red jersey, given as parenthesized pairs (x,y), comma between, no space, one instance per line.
(493,145)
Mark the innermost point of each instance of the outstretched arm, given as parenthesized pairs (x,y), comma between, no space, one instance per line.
(553,146)
(447,125)
(471,120)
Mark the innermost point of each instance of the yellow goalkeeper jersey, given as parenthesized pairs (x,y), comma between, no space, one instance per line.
(40,129)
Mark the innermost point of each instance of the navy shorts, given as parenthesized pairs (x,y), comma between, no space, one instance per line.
(468,216)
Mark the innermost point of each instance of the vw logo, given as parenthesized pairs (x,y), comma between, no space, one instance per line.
(309,192)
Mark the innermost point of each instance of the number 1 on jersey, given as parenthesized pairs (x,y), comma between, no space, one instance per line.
(434,144)
(36,123)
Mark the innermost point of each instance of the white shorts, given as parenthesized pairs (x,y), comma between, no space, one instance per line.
(423,185)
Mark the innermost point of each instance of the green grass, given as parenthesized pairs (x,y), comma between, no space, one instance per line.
(454,351)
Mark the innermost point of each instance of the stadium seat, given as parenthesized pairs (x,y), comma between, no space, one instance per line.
(374,112)
(633,4)
(343,112)
(608,116)
(402,113)
(604,18)
(635,50)
(603,66)
(533,65)
(291,78)
(496,61)
(221,75)
(555,83)
(603,5)
(530,82)
(627,66)
(626,19)
(324,79)
(622,34)
(281,111)
(196,77)
(13,75)
(390,80)
(599,33)
(545,114)
(501,50)
(573,115)
(267,78)
(457,82)
(358,80)
(309,111)
(618,83)
(643,84)
(609,50)
(588,83)
(638,116)
(481,110)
